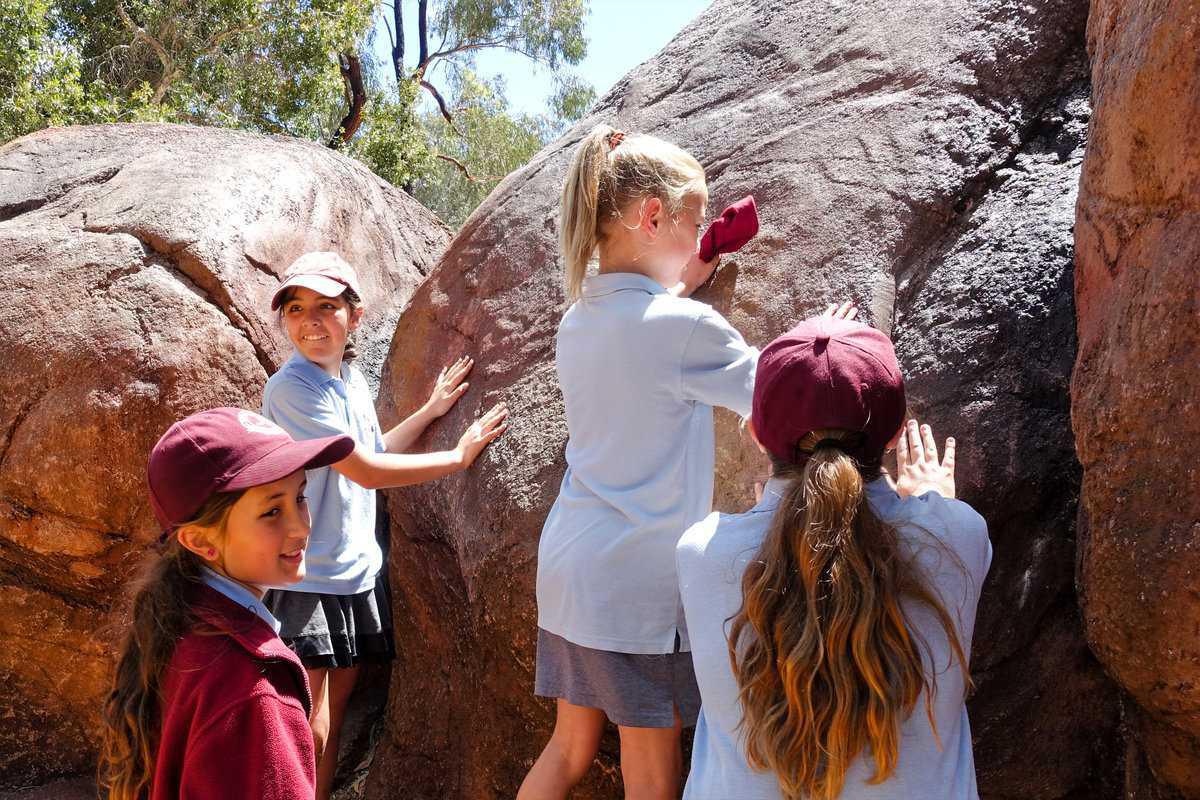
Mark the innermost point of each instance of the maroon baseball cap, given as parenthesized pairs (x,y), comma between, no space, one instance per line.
(222,450)
(325,273)
(828,373)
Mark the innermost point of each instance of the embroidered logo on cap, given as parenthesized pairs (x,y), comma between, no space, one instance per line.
(258,424)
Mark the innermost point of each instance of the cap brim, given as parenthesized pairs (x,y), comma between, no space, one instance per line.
(289,457)
(327,287)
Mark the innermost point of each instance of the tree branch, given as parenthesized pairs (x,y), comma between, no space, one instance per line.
(356,96)
(214,44)
(441,101)
(466,172)
(462,48)
(170,71)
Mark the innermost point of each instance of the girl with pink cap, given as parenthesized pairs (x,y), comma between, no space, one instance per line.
(339,616)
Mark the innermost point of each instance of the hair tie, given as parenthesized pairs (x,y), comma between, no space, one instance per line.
(836,444)
(614,139)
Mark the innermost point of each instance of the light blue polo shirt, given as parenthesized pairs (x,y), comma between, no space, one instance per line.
(948,541)
(343,556)
(640,371)
(240,595)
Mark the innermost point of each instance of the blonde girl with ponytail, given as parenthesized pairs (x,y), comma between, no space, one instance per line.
(641,367)
(831,624)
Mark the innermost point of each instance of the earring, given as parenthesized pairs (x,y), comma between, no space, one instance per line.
(211,553)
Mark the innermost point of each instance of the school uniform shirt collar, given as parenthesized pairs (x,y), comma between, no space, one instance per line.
(314,374)
(878,492)
(609,282)
(772,495)
(240,595)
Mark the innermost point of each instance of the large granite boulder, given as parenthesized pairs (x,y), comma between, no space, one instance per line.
(1136,388)
(921,158)
(138,263)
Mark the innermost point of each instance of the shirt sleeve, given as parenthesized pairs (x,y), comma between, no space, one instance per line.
(965,531)
(302,411)
(718,366)
(260,748)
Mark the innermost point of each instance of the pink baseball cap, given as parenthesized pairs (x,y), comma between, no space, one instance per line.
(325,273)
(828,373)
(222,450)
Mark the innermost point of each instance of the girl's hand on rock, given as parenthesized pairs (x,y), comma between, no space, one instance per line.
(847,311)
(481,433)
(449,386)
(917,463)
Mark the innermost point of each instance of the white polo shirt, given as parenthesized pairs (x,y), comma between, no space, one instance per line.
(640,371)
(949,542)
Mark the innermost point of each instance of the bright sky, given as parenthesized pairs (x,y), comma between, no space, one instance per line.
(621,34)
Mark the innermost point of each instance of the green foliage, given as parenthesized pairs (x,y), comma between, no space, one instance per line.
(268,66)
(547,31)
(486,143)
(272,66)
(39,77)
(490,142)
(392,140)
(572,98)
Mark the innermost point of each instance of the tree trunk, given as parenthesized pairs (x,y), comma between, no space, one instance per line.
(398,47)
(423,32)
(356,97)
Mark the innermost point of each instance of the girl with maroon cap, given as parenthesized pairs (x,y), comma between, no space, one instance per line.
(831,624)
(207,701)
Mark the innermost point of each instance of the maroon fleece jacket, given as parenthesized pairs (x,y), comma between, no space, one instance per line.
(234,712)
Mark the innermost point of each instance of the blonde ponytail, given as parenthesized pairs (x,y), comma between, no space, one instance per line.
(577,229)
(826,664)
(609,170)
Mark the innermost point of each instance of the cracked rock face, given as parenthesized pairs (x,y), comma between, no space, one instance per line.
(1136,388)
(920,158)
(138,262)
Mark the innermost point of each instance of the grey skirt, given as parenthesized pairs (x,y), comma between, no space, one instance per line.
(332,631)
(633,690)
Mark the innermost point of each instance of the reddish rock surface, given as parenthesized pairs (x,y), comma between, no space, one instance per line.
(1136,387)
(920,158)
(138,263)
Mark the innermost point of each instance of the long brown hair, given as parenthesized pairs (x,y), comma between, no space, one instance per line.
(826,663)
(608,171)
(161,616)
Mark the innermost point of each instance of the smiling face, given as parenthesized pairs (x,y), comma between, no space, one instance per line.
(319,326)
(261,544)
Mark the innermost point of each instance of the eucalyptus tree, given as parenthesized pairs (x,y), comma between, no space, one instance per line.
(303,68)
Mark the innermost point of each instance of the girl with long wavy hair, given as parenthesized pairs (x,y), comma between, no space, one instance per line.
(207,701)
(831,624)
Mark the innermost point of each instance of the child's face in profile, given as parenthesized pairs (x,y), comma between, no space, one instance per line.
(266,533)
(319,326)
(686,228)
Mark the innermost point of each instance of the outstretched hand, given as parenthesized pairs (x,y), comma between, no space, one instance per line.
(917,463)
(481,433)
(847,311)
(450,386)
